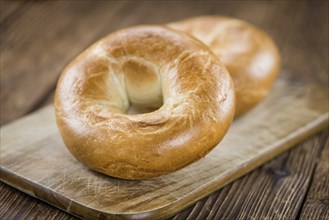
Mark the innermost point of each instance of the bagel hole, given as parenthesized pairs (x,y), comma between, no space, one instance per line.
(137,109)
(143,85)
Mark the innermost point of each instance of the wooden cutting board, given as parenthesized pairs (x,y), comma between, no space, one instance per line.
(35,160)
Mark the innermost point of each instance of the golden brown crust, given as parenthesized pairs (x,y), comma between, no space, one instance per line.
(249,54)
(94,92)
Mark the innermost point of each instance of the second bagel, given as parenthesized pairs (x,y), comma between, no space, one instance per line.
(250,55)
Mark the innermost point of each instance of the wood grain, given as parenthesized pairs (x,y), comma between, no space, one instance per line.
(269,197)
(316,204)
(299,27)
(17,205)
(23,207)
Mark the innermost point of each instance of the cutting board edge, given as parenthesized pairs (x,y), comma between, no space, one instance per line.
(163,212)
(31,188)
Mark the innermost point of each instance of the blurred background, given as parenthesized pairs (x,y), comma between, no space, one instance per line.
(38,38)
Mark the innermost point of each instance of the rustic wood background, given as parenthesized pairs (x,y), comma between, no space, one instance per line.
(39,38)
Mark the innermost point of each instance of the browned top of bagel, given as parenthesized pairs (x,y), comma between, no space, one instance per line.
(249,54)
(144,65)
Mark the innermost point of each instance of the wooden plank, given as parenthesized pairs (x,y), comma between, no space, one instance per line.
(269,197)
(291,171)
(206,208)
(36,161)
(316,204)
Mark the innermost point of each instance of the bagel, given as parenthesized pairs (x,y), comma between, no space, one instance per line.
(150,66)
(248,53)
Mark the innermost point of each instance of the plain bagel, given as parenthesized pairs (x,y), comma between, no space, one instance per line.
(249,54)
(151,66)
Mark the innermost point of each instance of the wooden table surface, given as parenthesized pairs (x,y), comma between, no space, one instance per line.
(39,38)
